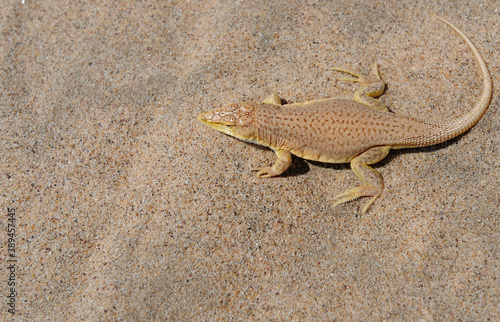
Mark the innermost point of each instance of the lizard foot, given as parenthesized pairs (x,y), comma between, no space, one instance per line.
(355,193)
(359,78)
(266,172)
(283,162)
(372,86)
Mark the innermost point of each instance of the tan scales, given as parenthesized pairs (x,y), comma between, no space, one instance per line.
(360,131)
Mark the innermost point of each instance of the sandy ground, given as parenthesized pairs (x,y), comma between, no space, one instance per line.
(126,207)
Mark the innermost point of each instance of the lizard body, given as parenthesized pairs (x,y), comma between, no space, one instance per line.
(360,131)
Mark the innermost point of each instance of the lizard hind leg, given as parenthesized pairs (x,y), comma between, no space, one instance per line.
(373,183)
(372,86)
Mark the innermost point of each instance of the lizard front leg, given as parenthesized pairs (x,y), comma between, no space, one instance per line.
(272,99)
(373,183)
(283,163)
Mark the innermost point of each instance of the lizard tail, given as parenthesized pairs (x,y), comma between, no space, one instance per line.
(444,131)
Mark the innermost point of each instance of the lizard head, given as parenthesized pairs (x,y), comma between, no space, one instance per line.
(233,119)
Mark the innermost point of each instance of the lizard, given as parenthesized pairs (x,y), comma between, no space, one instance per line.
(361,131)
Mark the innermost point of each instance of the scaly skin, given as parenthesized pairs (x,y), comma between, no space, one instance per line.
(360,131)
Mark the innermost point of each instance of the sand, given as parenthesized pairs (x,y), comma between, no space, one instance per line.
(125,207)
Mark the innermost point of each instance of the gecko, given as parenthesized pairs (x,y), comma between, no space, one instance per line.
(359,131)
